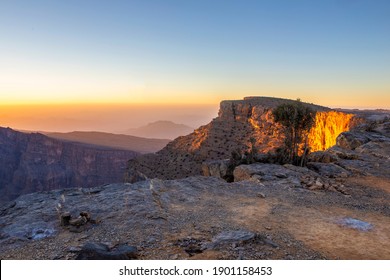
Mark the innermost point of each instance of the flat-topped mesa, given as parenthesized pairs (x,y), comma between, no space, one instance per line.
(238,121)
(257,110)
(241,108)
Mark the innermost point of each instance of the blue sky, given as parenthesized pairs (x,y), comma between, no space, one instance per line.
(328,52)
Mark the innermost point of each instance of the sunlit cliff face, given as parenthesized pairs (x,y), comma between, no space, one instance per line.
(328,125)
(268,134)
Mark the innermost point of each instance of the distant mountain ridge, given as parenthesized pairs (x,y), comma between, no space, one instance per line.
(117,141)
(161,129)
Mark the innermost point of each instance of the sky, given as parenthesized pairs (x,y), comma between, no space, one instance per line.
(193,53)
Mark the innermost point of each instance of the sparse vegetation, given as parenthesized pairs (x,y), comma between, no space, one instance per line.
(297,120)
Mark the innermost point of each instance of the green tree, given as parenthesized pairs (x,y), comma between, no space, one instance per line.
(297,120)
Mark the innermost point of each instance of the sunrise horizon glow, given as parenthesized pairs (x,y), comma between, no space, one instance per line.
(194,54)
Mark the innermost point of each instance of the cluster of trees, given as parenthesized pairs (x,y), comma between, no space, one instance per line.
(297,119)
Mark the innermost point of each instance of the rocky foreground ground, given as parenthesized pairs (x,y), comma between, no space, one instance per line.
(337,209)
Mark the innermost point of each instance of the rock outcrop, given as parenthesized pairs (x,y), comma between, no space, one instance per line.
(34,162)
(238,121)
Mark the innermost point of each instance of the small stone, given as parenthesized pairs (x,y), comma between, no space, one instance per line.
(65,218)
(319,183)
(78,221)
(270,242)
(74,249)
(261,195)
(314,187)
(86,215)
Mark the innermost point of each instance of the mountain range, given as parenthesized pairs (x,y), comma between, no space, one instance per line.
(160,129)
(118,141)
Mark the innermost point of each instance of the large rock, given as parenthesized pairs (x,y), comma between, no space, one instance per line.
(227,237)
(322,156)
(216,168)
(352,139)
(262,172)
(380,149)
(342,153)
(330,170)
(99,251)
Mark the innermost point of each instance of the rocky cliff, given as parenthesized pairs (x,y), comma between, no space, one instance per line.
(34,162)
(237,122)
(337,209)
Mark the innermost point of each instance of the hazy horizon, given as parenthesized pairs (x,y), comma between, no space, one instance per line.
(104,118)
(112,118)
(111,66)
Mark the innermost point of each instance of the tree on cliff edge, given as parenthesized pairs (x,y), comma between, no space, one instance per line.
(297,119)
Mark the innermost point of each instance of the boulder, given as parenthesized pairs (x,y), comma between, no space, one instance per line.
(262,171)
(99,251)
(216,168)
(227,237)
(322,156)
(352,139)
(134,176)
(380,149)
(330,170)
(342,153)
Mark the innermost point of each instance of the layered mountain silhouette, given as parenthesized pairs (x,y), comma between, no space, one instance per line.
(117,141)
(161,129)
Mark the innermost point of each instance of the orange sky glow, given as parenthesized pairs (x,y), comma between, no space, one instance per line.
(122,64)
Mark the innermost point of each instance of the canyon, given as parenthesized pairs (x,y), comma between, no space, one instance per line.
(33,162)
